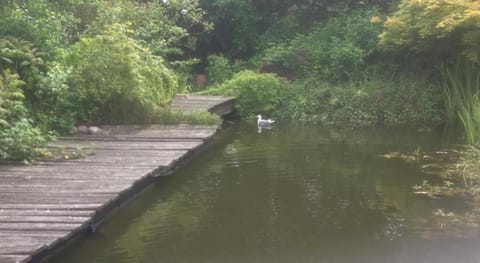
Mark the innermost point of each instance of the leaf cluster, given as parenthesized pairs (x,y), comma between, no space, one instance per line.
(333,49)
(115,79)
(18,138)
(256,93)
(443,27)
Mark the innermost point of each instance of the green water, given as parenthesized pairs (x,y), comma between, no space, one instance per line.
(295,193)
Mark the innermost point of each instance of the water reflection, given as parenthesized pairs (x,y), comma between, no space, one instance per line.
(290,194)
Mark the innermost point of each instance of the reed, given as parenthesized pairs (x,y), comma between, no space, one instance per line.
(461,92)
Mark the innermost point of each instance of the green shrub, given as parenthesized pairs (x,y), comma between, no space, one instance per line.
(218,69)
(403,101)
(439,28)
(19,140)
(40,22)
(256,93)
(378,100)
(168,29)
(22,57)
(327,104)
(283,30)
(54,104)
(115,80)
(333,49)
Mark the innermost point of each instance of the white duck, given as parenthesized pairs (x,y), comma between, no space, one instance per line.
(262,122)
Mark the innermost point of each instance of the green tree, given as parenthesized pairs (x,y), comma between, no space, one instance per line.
(334,49)
(439,27)
(40,22)
(115,79)
(169,28)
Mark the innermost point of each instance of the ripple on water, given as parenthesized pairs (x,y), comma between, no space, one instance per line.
(291,194)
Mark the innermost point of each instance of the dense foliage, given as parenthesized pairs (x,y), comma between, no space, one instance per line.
(359,62)
(141,83)
(18,137)
(370,62)
(66,62)
(256,93)
(445,28)
(333,50)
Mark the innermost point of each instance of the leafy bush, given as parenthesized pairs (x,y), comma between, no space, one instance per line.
(439,27)
(115,80)
(402,101)
(22,58)
(283,30)
(218,69)
(256,93)
(40,22)
(398,100)
(334,49)
(167,28)
(53,104)
(18,138)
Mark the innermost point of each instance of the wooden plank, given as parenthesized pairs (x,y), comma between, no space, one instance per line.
(201,97)
(29,239)
(20,247)
(106,163)
(23,206)
(73,172)
(44,203)
(71,189)
(155,140)
(9,258)
(42,219)
(46,212)
(39,226)
(83,182)
(106,157)
(19,176)
(63,199)
(32,234)
(123,145)
(216,105)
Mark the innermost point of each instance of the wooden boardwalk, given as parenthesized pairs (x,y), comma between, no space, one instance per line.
(214,104)
(47,204)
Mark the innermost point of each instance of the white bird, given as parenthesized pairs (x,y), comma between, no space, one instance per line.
(94,129)
(87,129)
(262,122)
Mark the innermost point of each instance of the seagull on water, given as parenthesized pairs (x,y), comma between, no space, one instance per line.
(263,122)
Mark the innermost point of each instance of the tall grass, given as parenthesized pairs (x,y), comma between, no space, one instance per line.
(461,90)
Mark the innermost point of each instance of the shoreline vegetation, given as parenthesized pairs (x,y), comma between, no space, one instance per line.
(348,63)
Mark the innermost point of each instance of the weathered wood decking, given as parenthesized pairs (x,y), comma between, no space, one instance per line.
(47,204)
(213,104)
(44,204)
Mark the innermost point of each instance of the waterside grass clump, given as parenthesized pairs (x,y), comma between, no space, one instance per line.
(173,116)
(461,91)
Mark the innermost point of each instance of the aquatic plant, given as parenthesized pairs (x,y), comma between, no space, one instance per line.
(461,91)
(172,116)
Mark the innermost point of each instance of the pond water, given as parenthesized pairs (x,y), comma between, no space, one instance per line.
(295,193)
